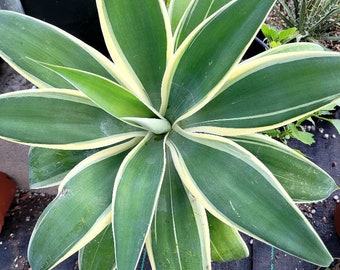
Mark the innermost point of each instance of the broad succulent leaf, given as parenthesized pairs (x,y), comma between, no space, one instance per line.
(247,89)
(99,253)
(81,210)
(302,179)
(169,246)
(135,195)
(225,241)
(158,146)
(243,189)
(223,47)
(176,10)
(48,167)
(28,109)
(47,36)
(290,47)
(106,94)
(139,45)
(195,13)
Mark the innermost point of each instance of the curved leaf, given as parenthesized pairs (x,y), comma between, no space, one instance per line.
(301,178)
(44,42)
(155,125)
(108,95)
(47,167)
(247,104)
(176,10)
(236,187)
(225,241)
(139,45)
(286,48)
(196,12)
(99,253)
(79,212)
(177,240)
(135,196)
(60,119)
(193,72)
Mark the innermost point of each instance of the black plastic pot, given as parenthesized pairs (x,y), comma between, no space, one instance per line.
(256,47)
(77,17)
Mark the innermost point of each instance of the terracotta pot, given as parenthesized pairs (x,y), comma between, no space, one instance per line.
(7,193)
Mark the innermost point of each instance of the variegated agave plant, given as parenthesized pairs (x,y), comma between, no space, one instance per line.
(167,135)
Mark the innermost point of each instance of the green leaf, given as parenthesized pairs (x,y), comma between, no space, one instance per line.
(193,72)
(286,48)
(236,187)
(23,37)
(155,125)
(176,240)
(287,35)
(138,37)
(268,31)
(336,124)
(108,95)
(197,11)
(176,10)
(226,243)
(135,196)
(303,136)
(47,167)
(60,119)
(79,212)
(274,44)
(246,104)
(99,253)
(301,178)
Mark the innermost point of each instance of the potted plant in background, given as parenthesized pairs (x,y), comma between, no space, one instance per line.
(78,17)
(315,20)
(166,135)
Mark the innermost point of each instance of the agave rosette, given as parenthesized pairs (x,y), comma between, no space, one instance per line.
(161,147)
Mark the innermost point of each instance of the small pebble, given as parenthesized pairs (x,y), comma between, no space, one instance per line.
(313,211)
(28,218)
(333,136)
(321,130)
(251,241)
(325,136)
(335,197)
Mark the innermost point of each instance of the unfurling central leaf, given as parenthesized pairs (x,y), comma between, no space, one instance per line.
(156,126)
